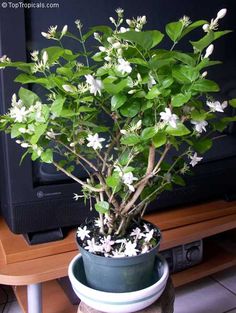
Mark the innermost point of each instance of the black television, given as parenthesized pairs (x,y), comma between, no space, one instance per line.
(38,200)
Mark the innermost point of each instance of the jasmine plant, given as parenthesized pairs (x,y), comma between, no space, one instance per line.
(157,102)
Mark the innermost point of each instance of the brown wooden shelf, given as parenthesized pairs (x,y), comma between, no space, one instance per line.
(215,259)
(21,264)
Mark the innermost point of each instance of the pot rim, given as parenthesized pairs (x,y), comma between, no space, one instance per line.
(99,257)
(120,295)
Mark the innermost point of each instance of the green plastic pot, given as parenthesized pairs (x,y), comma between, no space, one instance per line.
(124,274)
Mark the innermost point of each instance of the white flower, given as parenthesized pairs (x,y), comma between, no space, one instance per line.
(107,243)
(118,254)
(14,101)
(98,222)
(78,24)
(83,232)
(149,235)
(94,141)
(34,55)
(151,81)
(209,51)
(94,84)
(128,179)
(19,114)
(51,32)
(124,66)
(221,13)
(137,233)
(4,58)
(204,74)
(195,159)
(76,196)
(217,106)
(145,248)
(200,126)
(169,118)
(92,246)
(130,249)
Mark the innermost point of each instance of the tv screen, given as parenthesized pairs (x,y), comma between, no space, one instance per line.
(34,196)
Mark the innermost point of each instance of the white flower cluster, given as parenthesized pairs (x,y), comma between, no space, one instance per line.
(4,59)
(52,32)
(127,177)
(214,22)
(138,242)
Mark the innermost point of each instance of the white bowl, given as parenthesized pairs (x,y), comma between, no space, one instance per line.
(125,302)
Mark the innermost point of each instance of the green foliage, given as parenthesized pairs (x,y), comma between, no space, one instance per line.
(119,109)
(102,207)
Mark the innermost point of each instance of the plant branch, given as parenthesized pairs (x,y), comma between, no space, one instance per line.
(91,188)
(151,161)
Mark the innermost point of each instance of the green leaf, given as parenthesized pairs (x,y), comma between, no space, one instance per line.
(206,63)
(146,39)
(180,130)
(232,102)
(130,139)
(47,156)
(185,74)
(15,130)
(202,145)
(180,99)
(65,71)
(86,109)
(117,101)
(208,39)
(113,88)
(193,26)
(30,79)
(149,132)
(205,85)
(198,115)
(102,207)
(184,58)
(27,96)
(130,109)
(153,93)
(113,181)
(178,180)
(159,140)
(102,28)
(57,105)
(39,131)
(174,30)
(54,53)
(138,61)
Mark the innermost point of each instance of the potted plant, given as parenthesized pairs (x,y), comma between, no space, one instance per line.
(136,117)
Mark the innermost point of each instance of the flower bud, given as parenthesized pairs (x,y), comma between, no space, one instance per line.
(116,45)
(45,57)
(129,22)
(102,49)
(209,51)
(205,27)
(64,30)
(112,20)
(143,19)
(221,13)
(204,74)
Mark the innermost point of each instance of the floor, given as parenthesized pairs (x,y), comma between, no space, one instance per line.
(214,294)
